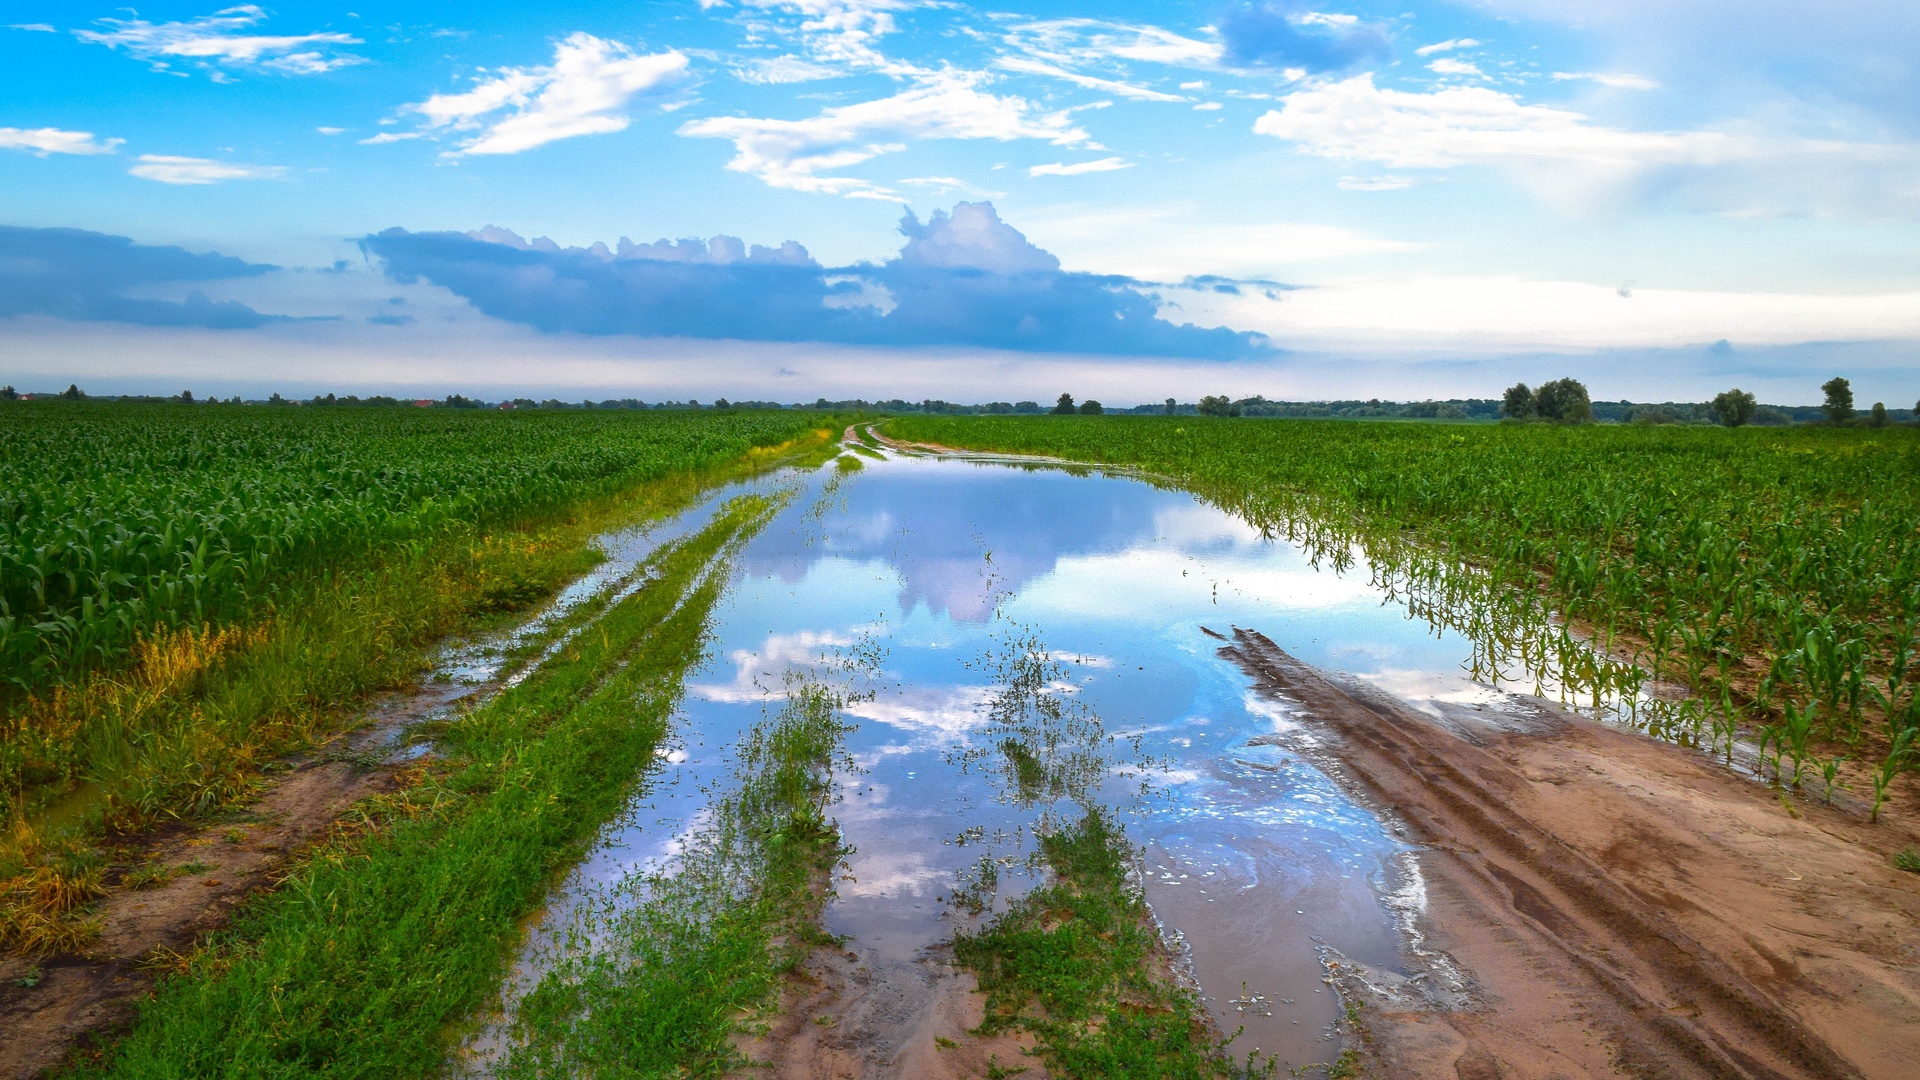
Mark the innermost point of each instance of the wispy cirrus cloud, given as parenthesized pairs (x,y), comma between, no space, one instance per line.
(221,41)
(1106,164)
(794,154)
(168,169)
(1614,79)
(43,141)
(585,91)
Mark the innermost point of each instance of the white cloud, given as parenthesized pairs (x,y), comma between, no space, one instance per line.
(188,170)
(581,93)
(1110,164)
(843,35)
(1207,106)
(1080,41)
(1355,120)
(37,27)
(792,154)
(781,70)
(1616,80)
(1445,66)
(1446,46)
(1373,183)
(330,130)
(43,141)
(220,39)
(1509,313)
(1029,66)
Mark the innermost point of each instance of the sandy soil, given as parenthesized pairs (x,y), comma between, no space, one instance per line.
(142,931)
(1599,904)
(842,1018)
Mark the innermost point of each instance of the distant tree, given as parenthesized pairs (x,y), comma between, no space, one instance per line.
(1063,407)
(1171,406)
(1878,417)
(8,393)
(1518,403)
(186,397)
(1839,403)
(276,399)
(1564,400)
(1218,405)
(721,403)
(1027,408)
(1091,407)
(72,392)
(1733,407)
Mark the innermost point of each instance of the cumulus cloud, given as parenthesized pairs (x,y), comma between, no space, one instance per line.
(1448,66)
(84,276)
(793,154)
(43,141)
(1283,35)
(168,169)
(843,35)
(961,279)
(221,40)
(583,92)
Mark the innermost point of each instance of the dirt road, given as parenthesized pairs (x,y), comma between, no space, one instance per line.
(1598,904)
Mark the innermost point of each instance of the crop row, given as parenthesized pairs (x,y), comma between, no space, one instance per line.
(120,520)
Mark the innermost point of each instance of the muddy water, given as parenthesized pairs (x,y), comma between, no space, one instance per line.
(934,570)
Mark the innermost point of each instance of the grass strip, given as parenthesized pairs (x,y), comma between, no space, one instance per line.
(668,968)
(1079,964)
(359,964)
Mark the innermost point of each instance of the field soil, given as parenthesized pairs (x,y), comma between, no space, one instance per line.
(75,997)
(842,1017)
(1593,903)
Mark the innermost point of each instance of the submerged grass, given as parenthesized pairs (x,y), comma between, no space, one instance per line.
(391,933)
(1079,963)
(659,977)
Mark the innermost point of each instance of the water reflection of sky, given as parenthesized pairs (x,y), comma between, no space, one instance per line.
(1252,854)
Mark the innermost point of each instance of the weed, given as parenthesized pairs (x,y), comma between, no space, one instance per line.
(29,978)
(1907,859)
(150,876)
(944,1043)
(997,1071)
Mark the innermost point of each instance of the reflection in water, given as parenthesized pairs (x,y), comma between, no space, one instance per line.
(1049,637)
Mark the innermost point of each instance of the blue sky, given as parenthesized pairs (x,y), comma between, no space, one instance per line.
(1122,199)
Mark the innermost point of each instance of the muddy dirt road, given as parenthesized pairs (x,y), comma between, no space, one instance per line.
(1598,904)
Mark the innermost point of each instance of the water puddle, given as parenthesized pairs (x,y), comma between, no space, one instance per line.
(931,575)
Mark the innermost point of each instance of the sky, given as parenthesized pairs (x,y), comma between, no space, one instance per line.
(789,199)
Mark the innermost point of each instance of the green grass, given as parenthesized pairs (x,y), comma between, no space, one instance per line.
(1774,571)
(369,956)
(1078,963)
(660,979)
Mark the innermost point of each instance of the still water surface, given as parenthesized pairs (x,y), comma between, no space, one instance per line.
(935,569)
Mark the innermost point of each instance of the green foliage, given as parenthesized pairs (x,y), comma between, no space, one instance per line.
(1091,407)
(1064,406)
(1780,567)
(117,521)
(1839,403)
(1218,405)
(1074,963)
(1733,408)
(1517,404)
(1877,417)
(1564,400)
(1907,859)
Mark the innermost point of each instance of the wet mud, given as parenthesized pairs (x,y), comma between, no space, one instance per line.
(77,999)
(1588,902)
